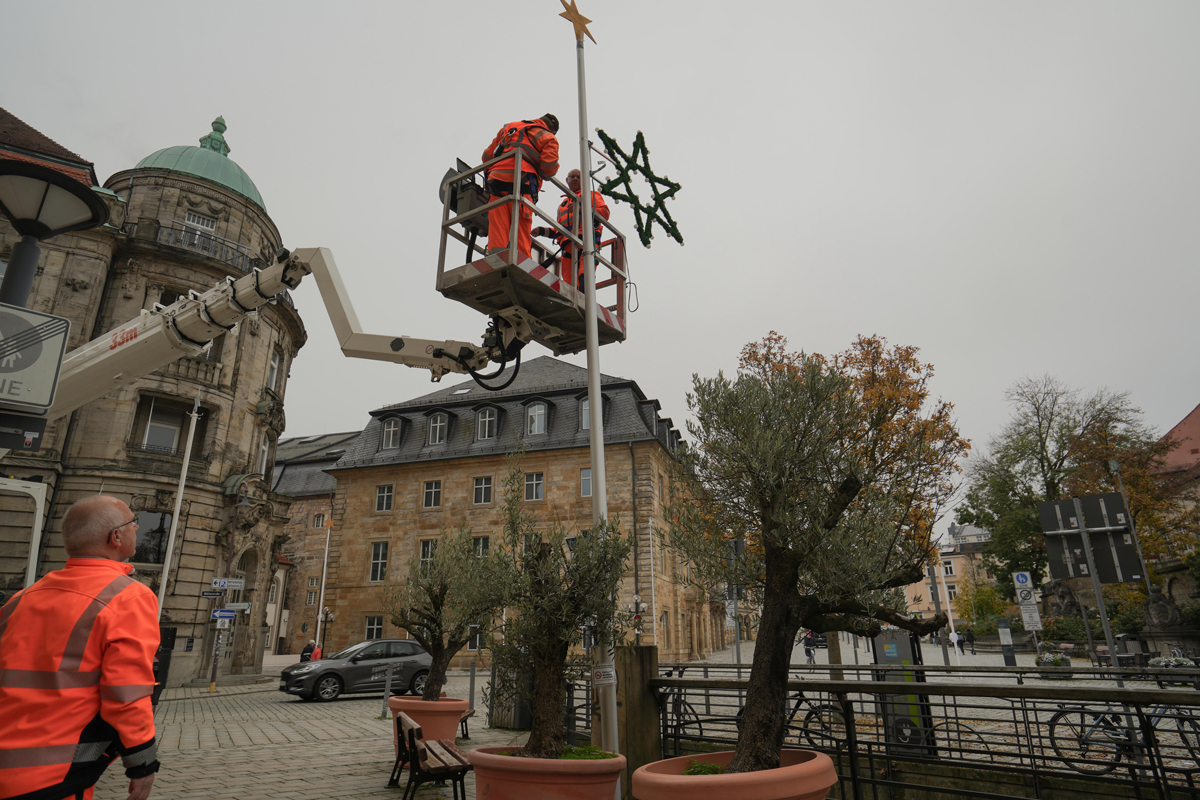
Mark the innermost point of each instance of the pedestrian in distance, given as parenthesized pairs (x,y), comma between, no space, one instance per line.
(810,648)
(956,639)
(306,653)
(316,653)
(77,665)
(970,635)
(539,159)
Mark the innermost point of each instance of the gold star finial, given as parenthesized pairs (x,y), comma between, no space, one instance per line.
(580,22)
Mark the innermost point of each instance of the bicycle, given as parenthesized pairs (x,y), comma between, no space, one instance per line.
(682,711)
(1093,742)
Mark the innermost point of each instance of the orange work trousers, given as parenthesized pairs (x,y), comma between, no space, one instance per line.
(499,224)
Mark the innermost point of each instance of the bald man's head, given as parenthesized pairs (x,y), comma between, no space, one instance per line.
(88,524)
(573,181)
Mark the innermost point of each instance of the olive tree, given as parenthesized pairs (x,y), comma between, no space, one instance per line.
(444,600)
(563,583)
(832,472)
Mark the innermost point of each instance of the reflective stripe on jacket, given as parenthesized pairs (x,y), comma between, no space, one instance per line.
(538,146)
(76,674)
(566,215)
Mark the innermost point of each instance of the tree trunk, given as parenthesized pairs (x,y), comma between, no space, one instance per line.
(761,736)
(833,643)
(437,673)
(547,734)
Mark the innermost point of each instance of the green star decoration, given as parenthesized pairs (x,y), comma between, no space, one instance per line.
(662,188)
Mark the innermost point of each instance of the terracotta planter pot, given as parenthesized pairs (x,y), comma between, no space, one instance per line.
(503,777)
(802,775)
(438,720)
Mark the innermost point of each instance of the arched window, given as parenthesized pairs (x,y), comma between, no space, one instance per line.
(391,434)
(438,423)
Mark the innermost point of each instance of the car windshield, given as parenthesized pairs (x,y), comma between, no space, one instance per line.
(349,651)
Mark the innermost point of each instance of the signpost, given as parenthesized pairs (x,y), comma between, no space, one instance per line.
(238,606)
(229,583)
(1027,599)
(604,675)
(223,613)
(1006,644)
(32,345)
(211,594)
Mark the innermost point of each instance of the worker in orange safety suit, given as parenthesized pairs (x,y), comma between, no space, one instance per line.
(76,665)
(539,159)
(566,218)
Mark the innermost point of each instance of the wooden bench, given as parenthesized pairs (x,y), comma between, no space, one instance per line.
(462,723)
(432,760)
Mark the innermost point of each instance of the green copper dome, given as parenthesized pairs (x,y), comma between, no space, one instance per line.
(209,161)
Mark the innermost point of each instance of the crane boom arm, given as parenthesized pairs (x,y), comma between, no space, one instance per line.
(186,327)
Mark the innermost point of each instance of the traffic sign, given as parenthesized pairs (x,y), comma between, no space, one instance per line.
(1031,618)
(238,606)
(31,353)
(223,613)
(211,594)
(1022,580)
(229,583)
(605,675)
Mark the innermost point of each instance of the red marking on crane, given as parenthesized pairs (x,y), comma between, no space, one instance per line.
(123,336)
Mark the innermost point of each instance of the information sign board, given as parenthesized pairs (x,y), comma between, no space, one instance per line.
(222,624)
(211,593)
(1113,549)
(604,675)
(1031,618)
(238,606)
(229,583)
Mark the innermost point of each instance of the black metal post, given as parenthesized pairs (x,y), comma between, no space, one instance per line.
(18,276)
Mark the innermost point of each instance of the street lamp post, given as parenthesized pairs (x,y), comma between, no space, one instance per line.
(328,616)
(40,203)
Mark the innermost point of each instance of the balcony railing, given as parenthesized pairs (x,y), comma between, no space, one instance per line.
(153,449)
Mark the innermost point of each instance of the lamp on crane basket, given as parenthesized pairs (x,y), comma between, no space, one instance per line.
(40,203)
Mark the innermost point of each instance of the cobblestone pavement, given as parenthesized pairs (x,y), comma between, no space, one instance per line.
(253,743)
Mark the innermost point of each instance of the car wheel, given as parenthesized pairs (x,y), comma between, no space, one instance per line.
(327,688)
(417,687)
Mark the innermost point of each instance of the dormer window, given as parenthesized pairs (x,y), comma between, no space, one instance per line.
(391,434)
(535,419)
(485,424)
(438,425)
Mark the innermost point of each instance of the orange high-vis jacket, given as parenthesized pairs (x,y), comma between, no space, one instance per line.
(538,146)
(76,674)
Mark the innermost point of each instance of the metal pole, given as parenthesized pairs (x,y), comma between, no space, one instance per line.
(471,690)
(187,456)
(937,609)
(950,616)
(1091,564)
(18,277)
(608,694)
(324,566)
(1116,468)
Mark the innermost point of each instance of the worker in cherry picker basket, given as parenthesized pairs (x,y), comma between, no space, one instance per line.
(570,219)
(539,159)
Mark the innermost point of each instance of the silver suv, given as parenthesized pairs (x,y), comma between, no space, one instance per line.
(361,667)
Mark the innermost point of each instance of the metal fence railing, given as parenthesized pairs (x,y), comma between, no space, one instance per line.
(893,731)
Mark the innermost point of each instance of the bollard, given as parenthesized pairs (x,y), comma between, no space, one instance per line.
(387,691)
(707,700)
(471,691)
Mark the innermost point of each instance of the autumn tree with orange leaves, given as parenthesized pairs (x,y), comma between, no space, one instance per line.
(832,470)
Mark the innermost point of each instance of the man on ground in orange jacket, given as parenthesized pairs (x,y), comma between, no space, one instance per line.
(76,665)
(539,159)
(566,218)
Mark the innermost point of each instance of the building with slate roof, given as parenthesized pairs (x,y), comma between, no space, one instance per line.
(183,219)
(437,462)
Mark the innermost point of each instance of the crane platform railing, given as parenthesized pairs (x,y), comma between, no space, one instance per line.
(533,291)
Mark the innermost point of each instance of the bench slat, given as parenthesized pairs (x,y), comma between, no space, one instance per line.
(454,750)
(445,758)
(430,762)
(470,712)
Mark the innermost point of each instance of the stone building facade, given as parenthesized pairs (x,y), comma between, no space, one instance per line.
(438,462)
(183,219)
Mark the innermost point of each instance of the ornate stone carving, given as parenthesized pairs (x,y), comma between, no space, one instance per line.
(271,416)
(252,325)
(75,284)
(1160,611)
(1061,600)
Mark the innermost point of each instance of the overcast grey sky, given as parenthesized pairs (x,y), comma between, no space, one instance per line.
(1013,187)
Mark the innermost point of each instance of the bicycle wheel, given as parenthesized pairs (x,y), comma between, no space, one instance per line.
(1084,741)
(1189,732)
(825,727)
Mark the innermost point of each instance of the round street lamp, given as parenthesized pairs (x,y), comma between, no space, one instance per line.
(40,203)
